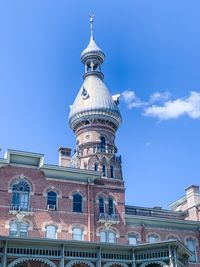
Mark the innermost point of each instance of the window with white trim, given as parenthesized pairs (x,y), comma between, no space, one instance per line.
(191,245)
(77,202)
(18,229)
(77,234)
(153,238)
(101,205)
(132,239)
(51,200)
(107,237)
(20,195)
(51,231)
(111,207)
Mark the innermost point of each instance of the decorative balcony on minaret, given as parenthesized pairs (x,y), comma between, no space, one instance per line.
(95,117)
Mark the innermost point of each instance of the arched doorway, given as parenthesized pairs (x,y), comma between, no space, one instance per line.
(115,264)
(154,264)
(31,262)
(79,263)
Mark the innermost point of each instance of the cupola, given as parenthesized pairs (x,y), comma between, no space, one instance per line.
(92,56)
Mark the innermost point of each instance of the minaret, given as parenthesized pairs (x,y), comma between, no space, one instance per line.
(94,117)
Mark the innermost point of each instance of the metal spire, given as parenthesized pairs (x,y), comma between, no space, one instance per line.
(91,25)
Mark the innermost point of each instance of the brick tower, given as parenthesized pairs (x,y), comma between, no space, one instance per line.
(94,117)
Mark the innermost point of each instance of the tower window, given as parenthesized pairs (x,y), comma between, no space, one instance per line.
(96,167)
(111,209)
(51,200)
(104,170)
(103,141)
(112,174)
(102,144)
(77,203)
(20,196)
(101,205)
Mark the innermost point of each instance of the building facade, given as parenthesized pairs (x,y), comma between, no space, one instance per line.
(74,213)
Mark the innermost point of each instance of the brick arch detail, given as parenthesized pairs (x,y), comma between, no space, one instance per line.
(20,260)
(163,264)
(109,264)
(74,262)
(152,234)
(135,233)
(21,177)
(77,191)
(54,189)
(111,229)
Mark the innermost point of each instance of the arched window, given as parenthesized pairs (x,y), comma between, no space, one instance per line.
(51,231)
(112,172)
(102,142)
(153,238)
(51,200)
(96,167)
(107,237)
(101,205)
(191,245)
(132,239)
(18,229)
(77,203)
(111,208)
(77,234)
(104,170)
(20,195)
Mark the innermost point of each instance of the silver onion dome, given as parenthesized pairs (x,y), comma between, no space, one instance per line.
(94,101)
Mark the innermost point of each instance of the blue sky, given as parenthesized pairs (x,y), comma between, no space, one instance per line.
(152,59)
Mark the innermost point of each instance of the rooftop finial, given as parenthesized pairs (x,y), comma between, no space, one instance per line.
(91,24)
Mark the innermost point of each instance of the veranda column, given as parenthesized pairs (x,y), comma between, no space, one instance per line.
(4,261)
(98,263)
(62,254)
(133,255)
(170,258)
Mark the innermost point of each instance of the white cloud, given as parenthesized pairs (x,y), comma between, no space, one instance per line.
(128,96)
(174,109)
(159,97)
(166,109)
(132,100)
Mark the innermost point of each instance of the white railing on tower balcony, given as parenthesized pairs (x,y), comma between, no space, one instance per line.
(104,149)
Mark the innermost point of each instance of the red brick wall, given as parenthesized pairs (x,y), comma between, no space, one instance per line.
(64,217)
